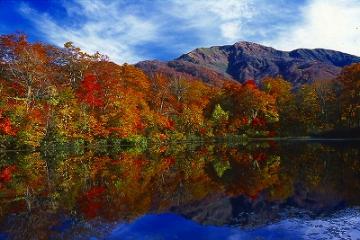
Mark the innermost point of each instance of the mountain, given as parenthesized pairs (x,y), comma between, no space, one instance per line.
(220,210)
(245,60)
(185,69)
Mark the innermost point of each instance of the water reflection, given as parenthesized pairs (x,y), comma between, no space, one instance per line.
(93,194)
(171,227)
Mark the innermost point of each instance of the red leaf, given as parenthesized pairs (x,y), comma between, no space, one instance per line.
(6,174)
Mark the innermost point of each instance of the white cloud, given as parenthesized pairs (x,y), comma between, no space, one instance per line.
(129,31)
(332,24)
(217,22)
(231,31)
(105,29)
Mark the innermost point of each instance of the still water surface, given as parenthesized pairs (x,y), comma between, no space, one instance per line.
(260,190)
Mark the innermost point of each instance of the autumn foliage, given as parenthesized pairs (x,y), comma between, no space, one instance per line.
(90,92)
(6,174)
(64,94)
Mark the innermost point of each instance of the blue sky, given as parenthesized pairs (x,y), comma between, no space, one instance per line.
(131,31)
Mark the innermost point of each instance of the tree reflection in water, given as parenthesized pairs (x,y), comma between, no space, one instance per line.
(62,194)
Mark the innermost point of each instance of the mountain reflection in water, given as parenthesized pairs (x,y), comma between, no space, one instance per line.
(262,190)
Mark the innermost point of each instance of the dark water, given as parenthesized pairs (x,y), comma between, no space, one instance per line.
(261,190)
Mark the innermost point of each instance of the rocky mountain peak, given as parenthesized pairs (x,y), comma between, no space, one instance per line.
(247,60)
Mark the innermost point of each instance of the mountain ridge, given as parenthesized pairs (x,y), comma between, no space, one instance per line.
(247,60)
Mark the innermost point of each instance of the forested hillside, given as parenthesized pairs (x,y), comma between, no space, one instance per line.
(50,94)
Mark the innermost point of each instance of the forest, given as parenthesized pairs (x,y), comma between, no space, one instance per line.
(64,95)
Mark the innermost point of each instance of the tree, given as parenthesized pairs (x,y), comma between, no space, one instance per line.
(219,115)
(161,98)
(90,92)
(308,110)
(246,105)
(74,64)
(6,126)
(28,65)
(281,90)
(327,94)
(350,95)
(219,119)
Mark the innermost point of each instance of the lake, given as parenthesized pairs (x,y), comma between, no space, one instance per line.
(255,190)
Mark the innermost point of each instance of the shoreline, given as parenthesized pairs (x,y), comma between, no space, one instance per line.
(307,138)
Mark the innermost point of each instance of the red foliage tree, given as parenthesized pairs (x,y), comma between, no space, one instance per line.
(90,91)
(250,83)
(169,124)
(91,202)
(258,122)
(6,174)
(6,126)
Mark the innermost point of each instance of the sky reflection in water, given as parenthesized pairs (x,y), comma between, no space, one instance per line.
(345,225)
